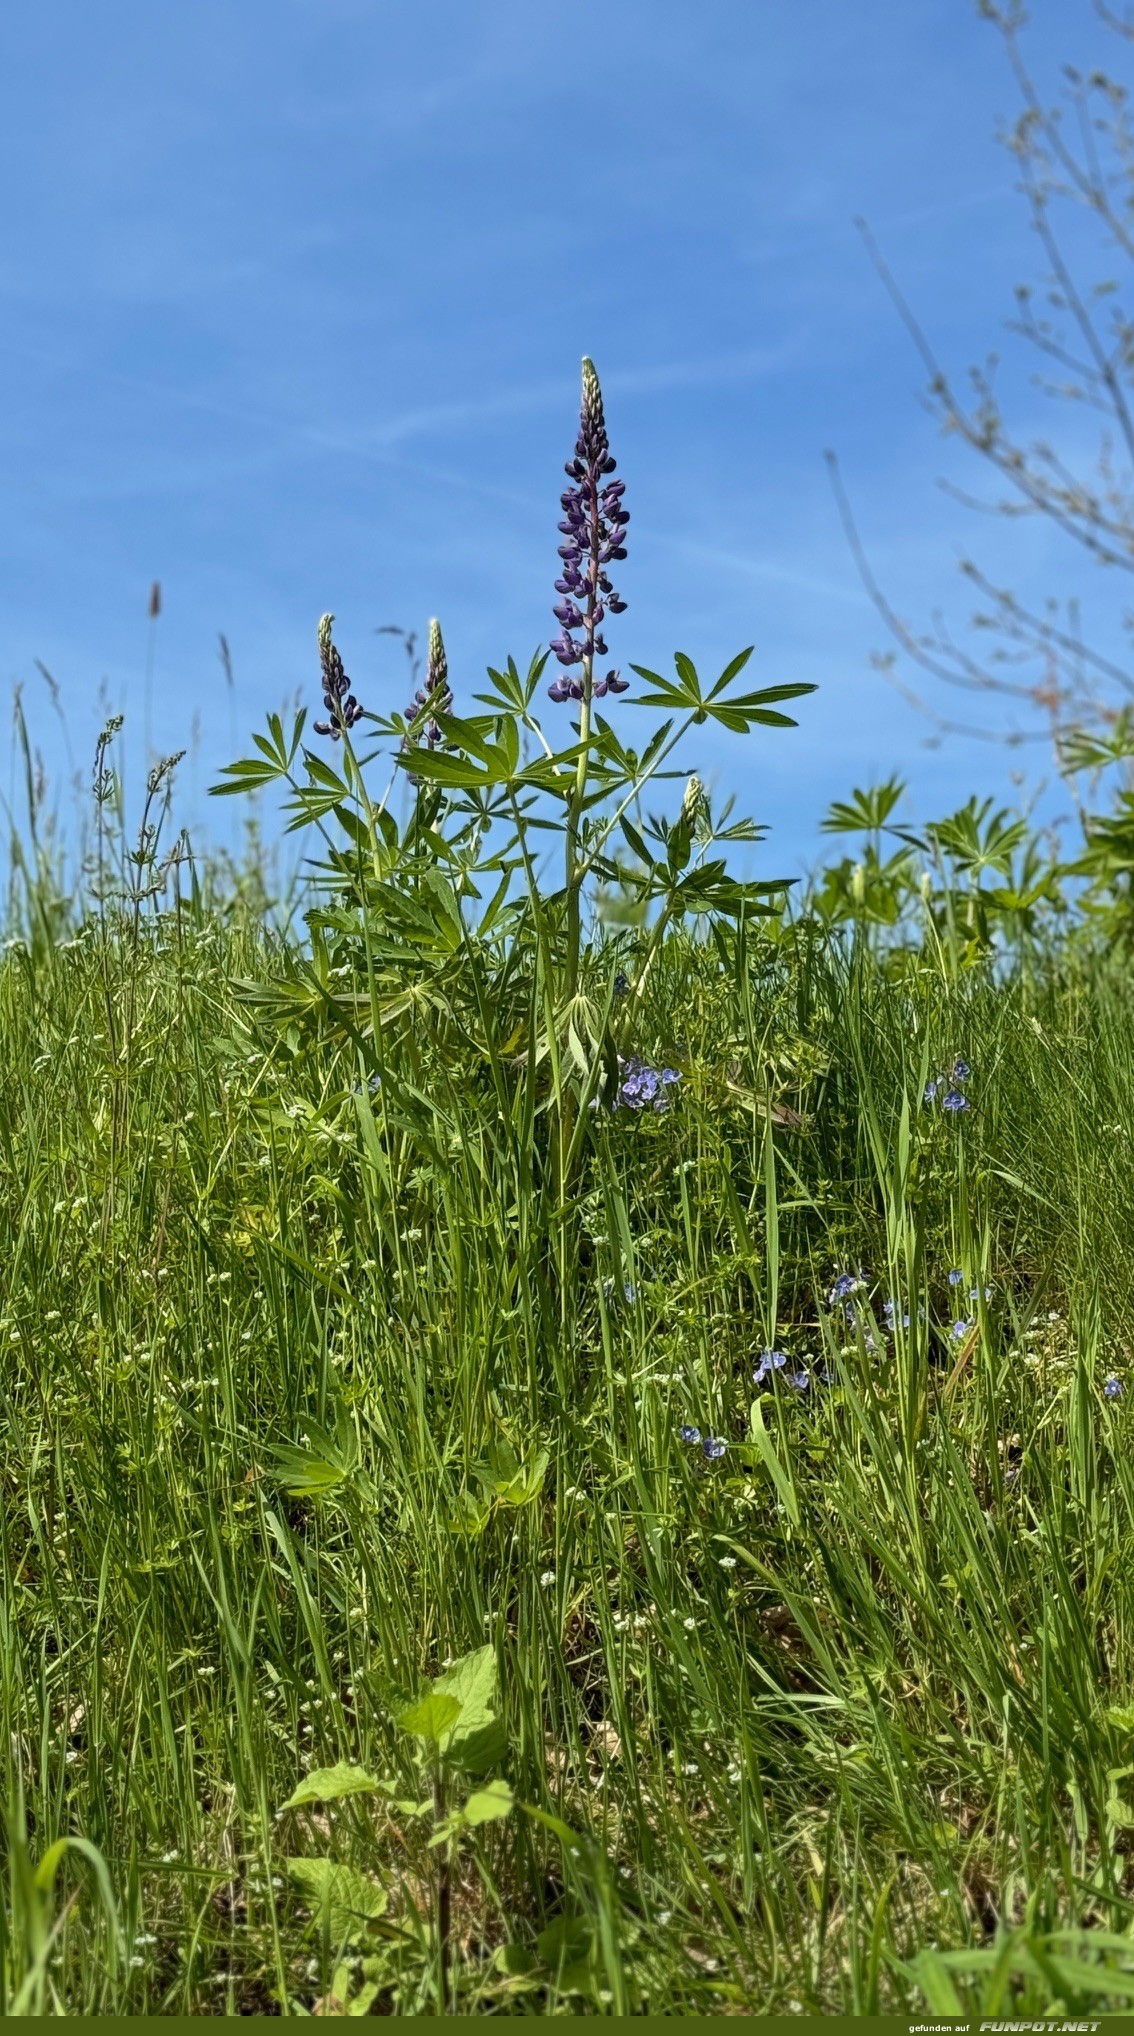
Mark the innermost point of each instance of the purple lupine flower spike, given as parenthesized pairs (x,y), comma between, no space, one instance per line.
(338,699)
(436,695)
(593,528)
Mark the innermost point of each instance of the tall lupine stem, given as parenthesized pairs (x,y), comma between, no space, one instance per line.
(594,529)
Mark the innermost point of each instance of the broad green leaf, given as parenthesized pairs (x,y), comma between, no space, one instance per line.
(477,1740)
(330,1784)
(517,1960)
(493,1801)
(568,1946)
(431,1717)
(569,1937)
(350,1898)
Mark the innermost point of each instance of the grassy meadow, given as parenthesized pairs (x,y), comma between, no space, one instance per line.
(565,1409)
(318,1379)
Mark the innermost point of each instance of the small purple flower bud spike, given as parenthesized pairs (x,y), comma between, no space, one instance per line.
(338,699)
(593,528)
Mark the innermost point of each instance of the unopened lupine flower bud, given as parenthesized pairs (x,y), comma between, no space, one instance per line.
(338,699)
(692,803)
(593,528)
(435,695)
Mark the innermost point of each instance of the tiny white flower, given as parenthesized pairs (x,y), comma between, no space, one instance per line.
(547,1578)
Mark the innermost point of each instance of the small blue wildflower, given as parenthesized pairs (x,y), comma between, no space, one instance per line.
(1113,1388)
(955,1276)
(713,1447)
(642,1085)
(955,1101)
(825,1376)
(976,1292)
(888,1312)
(800,1380)
(959,1330)
(931,1092)
(961,1071)
(629,1291)
(621,984)
(687,1434)
(770,1361)
(847,1283)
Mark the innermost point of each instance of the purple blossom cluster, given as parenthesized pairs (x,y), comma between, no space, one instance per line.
(436,694)
(593,528)
(338,699)
(951,1088)
(643,1087)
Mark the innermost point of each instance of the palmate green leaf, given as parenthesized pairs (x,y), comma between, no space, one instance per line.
(507,1479)
(331,1784)
(349,1899)
(454,773)
(737,713)
(246,776)
(866,811)
(278,754)
(514,694)
(305,1475)
(326,1461)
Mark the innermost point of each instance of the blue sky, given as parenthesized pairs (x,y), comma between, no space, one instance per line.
(293,302)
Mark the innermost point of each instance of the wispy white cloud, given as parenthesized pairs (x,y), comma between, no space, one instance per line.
(751,566)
